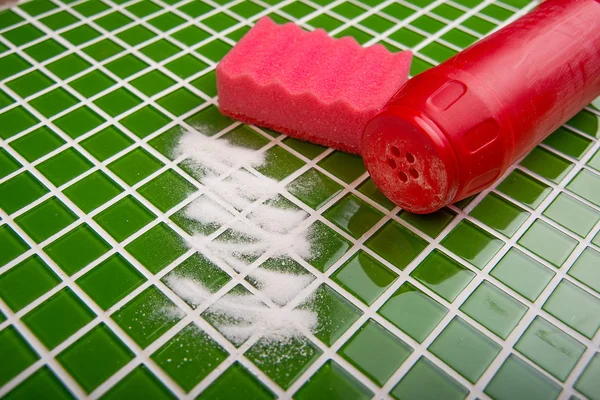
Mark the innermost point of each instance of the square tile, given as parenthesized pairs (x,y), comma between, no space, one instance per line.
(37,143)
(586,269)
(500,214)
(347,167)
(11,65)
(45,50)
(547,164)
(210,121)
(180,101)
(23,34)
(11,245)
(166,21)
(143,8)
(139,382)
(196,8)
(53,102)
(16,349)
(214,50)
(92,83)
(353,215)
(279,163)
(443,275)
(145,121)
(37,7)
(330,381)
(19,191)
(192,35)
(117,102)
(113,21)
(572,214)
(587,185)
(124,218)
(186,66)
(79,122)
(59,20)
(548,242)
(42,381)
(126,66)
(92,191)
(103,49)
(80,35)
(206,83)
(136,34)
(106,143)
(157,248)
(160,50)
(8,164)
(46,219)
(237,381)
(586,122)
(91,7)
(152,83)
(361,36)
(167,190)
(331,246)
(219,22)
(568,142)
(68,66)
(587,383)
(135,166)
(64,166)
(396,244)
(110,281)
(438,52)
(494,309)
(472,244)
(431,224)
(29,84)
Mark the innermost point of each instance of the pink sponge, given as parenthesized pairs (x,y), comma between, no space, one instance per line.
(307,84)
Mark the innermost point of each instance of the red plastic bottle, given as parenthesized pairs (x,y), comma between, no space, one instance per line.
(451,131)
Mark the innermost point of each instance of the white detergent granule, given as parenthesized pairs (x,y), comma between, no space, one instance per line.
(263,227)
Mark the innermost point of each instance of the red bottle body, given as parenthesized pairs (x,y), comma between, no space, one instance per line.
(451,131)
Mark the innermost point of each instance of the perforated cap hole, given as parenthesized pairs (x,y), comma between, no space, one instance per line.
(392,163)
(414,173)
(410,158)
(403,177)
(395,151)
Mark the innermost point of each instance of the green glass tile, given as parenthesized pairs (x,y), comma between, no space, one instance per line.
(550,348)
(219,22)
(9,18)
(160,50)
(166,21)
(16,349)
(147,316)
(68,66)
(117,102)
(572,214)
(335,314)
(348,10)
(196,8)
(447,11)
(45,50)
(64,166)
(80,35)
(76,249)
(12,64)
(20,191)
(8,164)
(575,307)
(413,312)
(396,244)
(499,13)
(57,318)
(180,101)
(369,189)
(331,246)
(472,244)
(112,21)
(516,380)
(549,243)
(494,309)
(53,102)
(426,381)
(297,9)
(431,224)
(586,122)
(588,383)
(30,83)
(140,382)
(5,100)
(103,49)
(91,7)
(247,9)
(236,382)
(59,20)
(136,34)
(46,219)
(106,143)
(360,36)
(586,269)
(152,83)
(157,248)
(92,83)
(353,215)
(135,166)
(279,163)
(210,121)
(23,34)
(126,66)
(92,191)
(214,50)
(244,136)
(375,351)
(145,121)
(42,384)
(192,34)
(206,83)
(95,357)
(595,161)
(438,52)
(308,150)
(568,142)
(143,8)
(364,277)
(124,218)
(166,142)
(547,164)
(377,23)
(419,65)
(479,25)
(110,281)
(37,144)
(500,214)
(428,24)
(524,188)
(285,361)
(189,356)
(167,190)
(587,185)
(443,275)
(313,188)
(186,66)
(332,381)
(347,167)
(79,122)
(14,121)
(26,281)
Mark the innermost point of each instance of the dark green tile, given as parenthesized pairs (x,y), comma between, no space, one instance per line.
(37,143)
(124,218)
(332,381)
(16,349)
(472,244)
(46,219)
(157,248)
(331,246)
(500,214)
(20,191)
(79,122)
(396,244)
(547,164)
(139,382)
(353,216)
(92,191)
(167,190)
(64,166)
(236,382)
(106,143)
(41,384)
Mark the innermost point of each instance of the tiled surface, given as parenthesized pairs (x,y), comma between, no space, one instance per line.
(494,297)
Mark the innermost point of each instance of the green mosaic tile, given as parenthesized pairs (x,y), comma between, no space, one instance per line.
(595,161)
(8,164)
(375,351)
(361,36)
(157,248)
(30,83)
(42,384)
(547,164)
(80,35)
(369,189)
(244,136)
(152,83)
(333,381)
(550,348)
(587,185)
(443,275)
(68,66)
(428,24)
(419,65)
(124,218)
(92,191)
(167,190)
(45,50)
(586,122)
(314,188)
(413,312)
(247,9)
(15,348)
(117,102)
(92,83)
(59,20)
(126,66)
(166,21)
(494,309)
(20,191)
(572,214)
(479,25)
(585,269)
(11,65)
(377,23)
(219,22)
(500,214)
(568,142)
(180,101)
(236,382)
(192,35)
(427,381)
(77,249)
(46,219)
(447,11)
(15,121)
(112,21)
(139,382)
(196,8)
(23,34)
(524,188)
(548,243)
(516,380)
(135,35)
(587,383)
(91,7)
(206,83)
(53,102)
(11,245)
(64,166)
(438,52)
(398,11)
(95,357)
(147,316)
(575,307)
(186,66)
(79,122)
(284,362)
(160,50)
(431,224)
(37,143)
(353,216)
(143,8)
(214,50)
(210,121)
(58,318)
(103,49)
(497,12)
(9,18)
(396,244)
(472,244)
(308,150)
(26,281)
(5,100)
(331,245)
(135,166)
